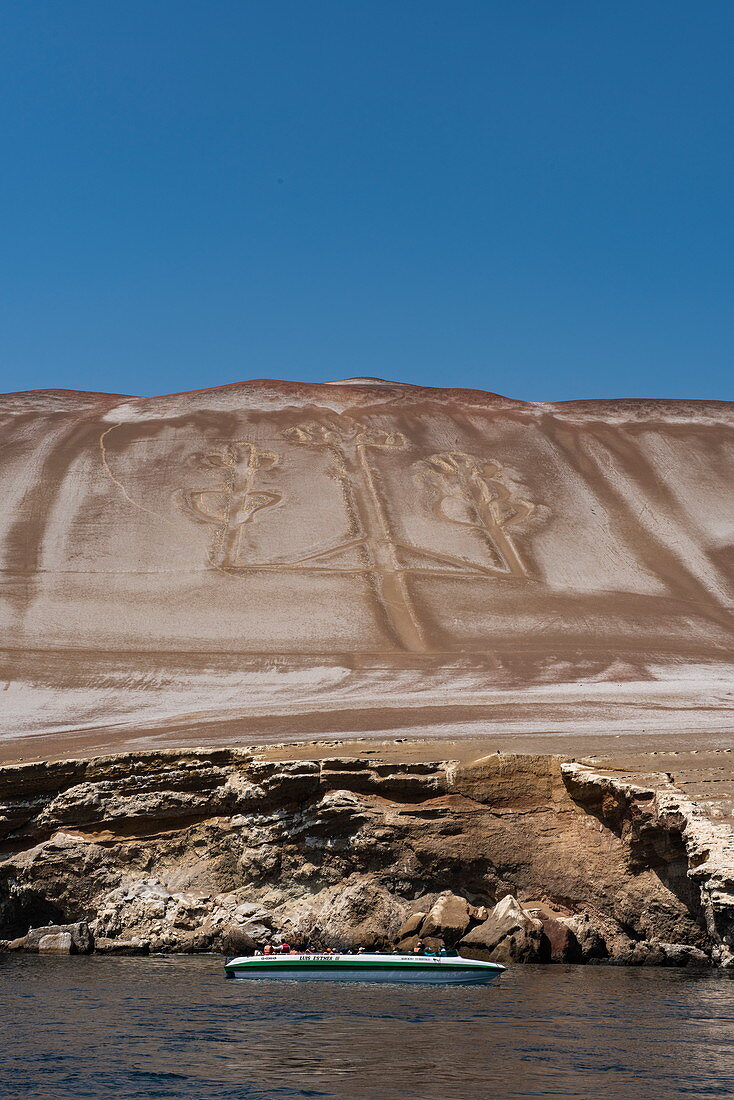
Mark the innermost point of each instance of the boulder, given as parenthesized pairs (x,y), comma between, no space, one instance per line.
(410,927)
(246,910)
(658,953)
(680,954)
(81,939)
(199,941)
(591,942)
(647,953)
(723,956)
(562,943)
(134,946)
(447,920)
(58,943)
(257,930)
(235,941)
(508,935)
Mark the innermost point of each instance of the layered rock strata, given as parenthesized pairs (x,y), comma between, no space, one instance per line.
(510,856)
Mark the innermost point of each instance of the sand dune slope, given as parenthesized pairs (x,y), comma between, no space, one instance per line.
(278,559)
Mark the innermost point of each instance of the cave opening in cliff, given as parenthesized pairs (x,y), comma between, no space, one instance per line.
(30,910)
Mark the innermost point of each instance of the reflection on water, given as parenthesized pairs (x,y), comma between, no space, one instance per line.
(174,1027)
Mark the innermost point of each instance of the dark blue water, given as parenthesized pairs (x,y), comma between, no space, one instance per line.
(174,1027)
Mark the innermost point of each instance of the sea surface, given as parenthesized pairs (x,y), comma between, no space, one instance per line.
(175,1027)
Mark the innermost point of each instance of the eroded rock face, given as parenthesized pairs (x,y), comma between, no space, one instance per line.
(664,830)
(517,857)
(77,940)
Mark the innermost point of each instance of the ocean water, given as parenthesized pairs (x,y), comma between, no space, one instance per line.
(174,1027)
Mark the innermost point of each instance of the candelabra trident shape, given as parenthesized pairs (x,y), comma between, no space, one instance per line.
(349,444)
(467,491)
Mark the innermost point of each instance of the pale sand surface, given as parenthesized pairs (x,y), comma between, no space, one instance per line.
(56,702)
(98,713)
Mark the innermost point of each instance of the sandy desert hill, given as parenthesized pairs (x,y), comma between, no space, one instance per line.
(273,559)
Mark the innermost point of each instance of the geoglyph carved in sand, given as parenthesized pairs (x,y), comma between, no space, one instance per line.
(473,493)
(467,491)
(236,503)
(374,528)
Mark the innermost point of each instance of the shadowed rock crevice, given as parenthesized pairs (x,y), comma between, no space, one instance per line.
(651,844)
(30,909)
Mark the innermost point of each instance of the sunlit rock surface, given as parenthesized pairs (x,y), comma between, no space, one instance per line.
(272,560)
(510,857)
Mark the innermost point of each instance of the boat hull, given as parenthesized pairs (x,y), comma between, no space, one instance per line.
(363,968)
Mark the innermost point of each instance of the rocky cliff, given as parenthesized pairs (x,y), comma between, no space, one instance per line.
(511,857)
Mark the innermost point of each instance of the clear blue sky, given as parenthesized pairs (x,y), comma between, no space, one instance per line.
(532,198)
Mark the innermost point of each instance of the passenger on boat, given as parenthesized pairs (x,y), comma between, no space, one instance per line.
(268,949)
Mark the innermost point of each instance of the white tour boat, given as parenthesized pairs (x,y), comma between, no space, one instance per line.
(445,969)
